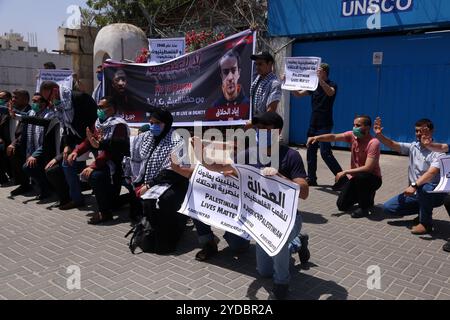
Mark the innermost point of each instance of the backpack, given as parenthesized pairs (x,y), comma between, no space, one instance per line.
(143,237)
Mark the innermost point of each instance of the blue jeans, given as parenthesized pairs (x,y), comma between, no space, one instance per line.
(278,266)
(205,235)
(421,203)
(325,152)
(71,173)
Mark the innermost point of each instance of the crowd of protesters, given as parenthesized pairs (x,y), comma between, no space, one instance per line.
(64,142)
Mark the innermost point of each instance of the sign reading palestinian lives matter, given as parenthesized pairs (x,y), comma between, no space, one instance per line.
(214,199)
(163,50)
(301,73)
(268,208)
(444,183)
(62,77)
(192,87)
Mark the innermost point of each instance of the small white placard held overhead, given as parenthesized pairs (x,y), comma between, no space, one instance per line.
(62,77)
(162,50)
(301,73)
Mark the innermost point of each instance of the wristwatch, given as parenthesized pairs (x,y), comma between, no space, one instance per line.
(414,185)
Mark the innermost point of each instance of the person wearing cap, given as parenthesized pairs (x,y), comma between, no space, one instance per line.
(364,178)
(109,138)
(161,189)
(265,91)
(322,101)
(291,168)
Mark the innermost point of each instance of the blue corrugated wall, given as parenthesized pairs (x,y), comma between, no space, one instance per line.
(412,83)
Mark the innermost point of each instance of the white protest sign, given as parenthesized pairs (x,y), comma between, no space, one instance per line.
(444,183)
(162,50)
(62,77)
(301,73)
(268,208)
(213,199)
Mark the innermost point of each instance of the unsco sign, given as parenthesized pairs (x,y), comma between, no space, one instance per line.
(352,8)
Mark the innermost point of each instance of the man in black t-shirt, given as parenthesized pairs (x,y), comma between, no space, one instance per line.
(322,101)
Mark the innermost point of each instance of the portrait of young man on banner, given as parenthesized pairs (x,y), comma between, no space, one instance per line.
(209,85)
(233,103)
(120,85)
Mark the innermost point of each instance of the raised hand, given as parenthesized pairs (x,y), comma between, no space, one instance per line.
(377,127)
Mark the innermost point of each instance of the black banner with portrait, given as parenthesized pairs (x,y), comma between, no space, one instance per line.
(210,85)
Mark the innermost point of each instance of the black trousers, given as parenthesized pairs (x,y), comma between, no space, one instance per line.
(167,224)
(56,178)
(17,160)
(5,166)
(360,189)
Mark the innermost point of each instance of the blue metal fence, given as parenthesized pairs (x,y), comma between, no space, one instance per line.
(413,82)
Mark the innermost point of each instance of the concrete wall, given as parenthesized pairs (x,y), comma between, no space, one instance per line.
(79,44)
(284,106)
(18,69)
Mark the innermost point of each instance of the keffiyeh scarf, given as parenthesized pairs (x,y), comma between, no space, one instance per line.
(35,134)
(64,111)
(157,155)
(260,91)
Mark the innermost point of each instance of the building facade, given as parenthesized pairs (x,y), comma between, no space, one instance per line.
(388,57)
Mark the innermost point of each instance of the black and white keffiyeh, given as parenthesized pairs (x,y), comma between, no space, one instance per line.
(157,155)
(35,134)
(64,111)
(109,125)
(260,92)
(107,129)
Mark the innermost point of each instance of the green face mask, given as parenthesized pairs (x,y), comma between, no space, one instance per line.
(35,107)
(2,102)
(101,114)
(357,133)
(56,102)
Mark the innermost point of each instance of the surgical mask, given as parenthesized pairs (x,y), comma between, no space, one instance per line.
(156,129)
(100,76)
(35,107)
(357,133)
(268,139)
(101,114)
(56,102)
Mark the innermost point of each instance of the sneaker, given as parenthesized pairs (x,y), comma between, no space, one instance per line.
(280,291)
(360,213)
(311,183)
(421,229)
(20,190)
(446,246)
(340,184)
(304,253)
